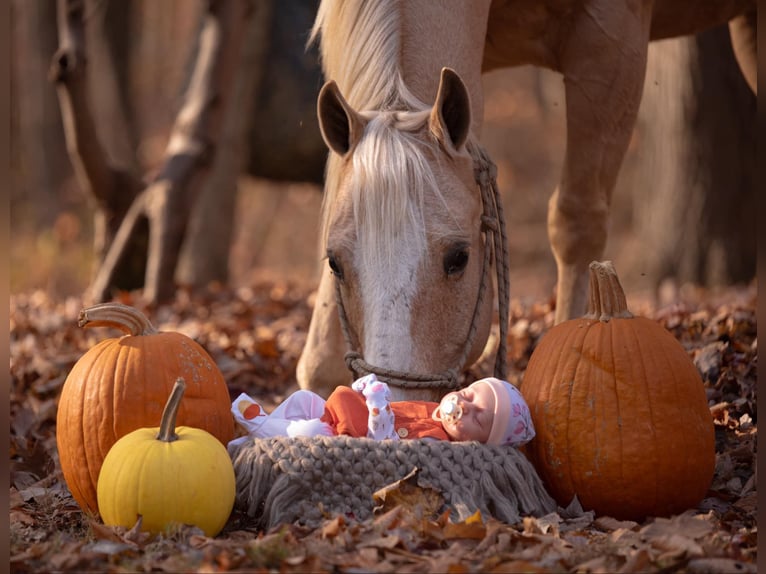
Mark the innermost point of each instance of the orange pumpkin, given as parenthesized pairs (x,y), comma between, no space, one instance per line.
(620,411)
(122,384)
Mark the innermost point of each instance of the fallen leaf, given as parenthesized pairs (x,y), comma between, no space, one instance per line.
(255,334)
(472,528)
(21,516)
(688,524)
(748,503)
(387,541)
(607,524)
(676,546)
(103,532)
(109,547)
(388,519)
(424,501)
(719,566)
(334,527)
(638,560)
(516,566)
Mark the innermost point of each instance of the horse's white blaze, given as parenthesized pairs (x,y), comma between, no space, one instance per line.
(388,292)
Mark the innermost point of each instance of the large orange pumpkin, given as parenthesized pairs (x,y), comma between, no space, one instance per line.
(122,384)
(620,411)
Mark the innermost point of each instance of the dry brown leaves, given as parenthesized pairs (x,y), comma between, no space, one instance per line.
(255,335)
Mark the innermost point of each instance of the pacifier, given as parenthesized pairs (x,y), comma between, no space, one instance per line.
(451,410)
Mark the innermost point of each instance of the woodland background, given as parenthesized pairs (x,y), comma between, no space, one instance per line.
(683,210)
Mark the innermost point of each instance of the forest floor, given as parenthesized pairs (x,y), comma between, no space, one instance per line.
(255,335)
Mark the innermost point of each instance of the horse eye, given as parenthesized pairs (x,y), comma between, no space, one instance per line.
(455,261)
(335,267)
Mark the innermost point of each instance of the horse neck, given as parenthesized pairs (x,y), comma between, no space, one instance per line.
(390,54)
(442,33)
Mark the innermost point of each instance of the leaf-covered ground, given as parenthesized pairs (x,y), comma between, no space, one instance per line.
(255,335)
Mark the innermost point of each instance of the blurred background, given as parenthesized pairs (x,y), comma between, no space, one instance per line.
(683,211)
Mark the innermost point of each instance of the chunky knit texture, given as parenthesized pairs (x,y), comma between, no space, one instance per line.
(284,480)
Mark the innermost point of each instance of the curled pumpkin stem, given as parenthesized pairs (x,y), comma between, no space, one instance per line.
(127,319)
(170,412)
(607,298)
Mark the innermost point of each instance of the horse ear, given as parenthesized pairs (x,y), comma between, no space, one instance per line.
(340,124)
(451,115)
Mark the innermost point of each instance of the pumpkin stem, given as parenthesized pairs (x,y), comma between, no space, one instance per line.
(123,317)
(607,298)
(170,412)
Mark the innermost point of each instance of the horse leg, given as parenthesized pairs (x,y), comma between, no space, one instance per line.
(744,42)
(603,60)
(321,367)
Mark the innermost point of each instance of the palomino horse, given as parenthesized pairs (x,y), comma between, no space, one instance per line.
(404,223)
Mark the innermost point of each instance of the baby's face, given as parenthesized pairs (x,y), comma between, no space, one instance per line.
(478,404)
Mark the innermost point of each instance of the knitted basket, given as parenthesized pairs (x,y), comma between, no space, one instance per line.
(284,480)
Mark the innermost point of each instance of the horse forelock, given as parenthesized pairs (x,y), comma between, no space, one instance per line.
(388,168)
(389,181)
(391,185)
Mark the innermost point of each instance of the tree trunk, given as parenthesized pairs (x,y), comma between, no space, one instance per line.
(694,194)
(205,253)
(111,189)
(168,201)
(108,33)
(276,118)
(39,153)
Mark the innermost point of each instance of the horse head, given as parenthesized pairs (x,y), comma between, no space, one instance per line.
(403,234)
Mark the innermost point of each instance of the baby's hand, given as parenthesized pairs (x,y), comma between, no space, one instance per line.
(360,384)
(380,424)
(376,392)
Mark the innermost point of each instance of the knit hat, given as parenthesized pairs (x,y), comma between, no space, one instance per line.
(512,423)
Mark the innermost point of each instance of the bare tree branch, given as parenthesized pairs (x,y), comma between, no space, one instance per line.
(41,143)
(68,72)
(168,201)
(112,190)
(109,107)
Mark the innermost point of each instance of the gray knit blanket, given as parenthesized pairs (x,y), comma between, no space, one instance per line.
(284,480)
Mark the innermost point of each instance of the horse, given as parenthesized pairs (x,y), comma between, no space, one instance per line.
(404,224)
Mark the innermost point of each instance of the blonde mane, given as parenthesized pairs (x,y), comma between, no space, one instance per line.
(371,31)
(391,200)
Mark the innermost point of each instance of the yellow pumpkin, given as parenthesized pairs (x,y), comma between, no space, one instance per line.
(620,411)
(168,476)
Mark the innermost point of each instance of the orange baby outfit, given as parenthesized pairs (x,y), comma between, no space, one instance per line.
(346,412)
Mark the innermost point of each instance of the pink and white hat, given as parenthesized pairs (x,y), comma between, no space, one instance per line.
(512,423)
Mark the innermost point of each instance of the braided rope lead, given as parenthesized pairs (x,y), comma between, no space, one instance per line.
(486,174)
(493,226)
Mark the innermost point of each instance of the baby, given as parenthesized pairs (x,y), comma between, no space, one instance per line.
(489,411)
